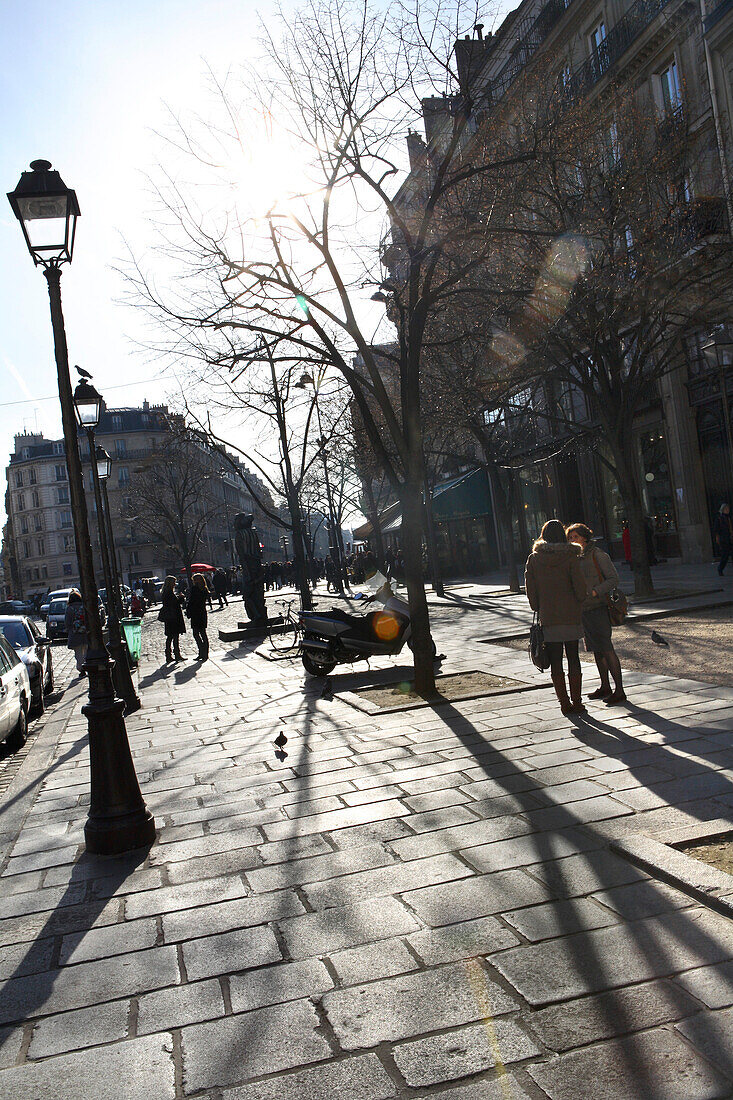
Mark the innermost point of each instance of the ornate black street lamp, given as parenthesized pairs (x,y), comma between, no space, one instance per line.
(88,405)
(118,819)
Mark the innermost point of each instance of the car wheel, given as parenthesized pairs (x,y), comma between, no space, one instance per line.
(17,738)
(49,679)
(39,703)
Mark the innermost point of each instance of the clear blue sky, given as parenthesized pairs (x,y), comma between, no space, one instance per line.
(83,84)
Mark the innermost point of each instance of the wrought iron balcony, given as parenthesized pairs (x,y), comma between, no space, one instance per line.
(619,38)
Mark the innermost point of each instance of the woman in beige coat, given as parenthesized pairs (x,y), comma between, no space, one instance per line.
(556,590)
(600,578)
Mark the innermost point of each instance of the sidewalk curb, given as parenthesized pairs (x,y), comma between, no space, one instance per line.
(19,798)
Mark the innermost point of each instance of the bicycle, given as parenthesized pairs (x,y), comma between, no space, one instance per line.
(285,641)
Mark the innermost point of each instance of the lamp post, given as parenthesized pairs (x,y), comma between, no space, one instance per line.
(88,405)
(104,471)
(118,819)
(335,537)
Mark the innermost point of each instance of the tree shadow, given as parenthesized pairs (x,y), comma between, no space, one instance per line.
(584,954)
(25,994)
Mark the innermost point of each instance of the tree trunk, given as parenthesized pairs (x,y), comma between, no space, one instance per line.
(504,521)
(633,502)
(299,564)
(372,515)
(422,642)
(435,576)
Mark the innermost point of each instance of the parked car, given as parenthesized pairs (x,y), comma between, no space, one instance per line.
(126,595)
(35,653)
(56,618)
(58,594)
(15,696)
(14,607)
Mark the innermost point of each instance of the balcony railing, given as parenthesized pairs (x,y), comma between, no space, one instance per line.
(530,39)
(616,43)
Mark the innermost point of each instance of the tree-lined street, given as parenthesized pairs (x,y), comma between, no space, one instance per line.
(410,904)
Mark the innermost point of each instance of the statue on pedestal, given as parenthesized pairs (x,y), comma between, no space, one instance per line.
(247,543)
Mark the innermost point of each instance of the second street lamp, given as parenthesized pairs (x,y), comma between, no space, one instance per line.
(88,405)
(118,819)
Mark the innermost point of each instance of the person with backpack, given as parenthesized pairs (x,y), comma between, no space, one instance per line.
(77,634)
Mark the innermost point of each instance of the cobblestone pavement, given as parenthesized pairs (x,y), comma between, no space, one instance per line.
(411,905)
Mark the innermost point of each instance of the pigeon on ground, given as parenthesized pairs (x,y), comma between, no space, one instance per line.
(281,741)
(658,639)
(82,373)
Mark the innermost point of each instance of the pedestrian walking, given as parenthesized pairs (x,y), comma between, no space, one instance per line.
(196,611)
(556,590)
(171,616)
(77,634)
(723,535)
(601,578)
(221,587)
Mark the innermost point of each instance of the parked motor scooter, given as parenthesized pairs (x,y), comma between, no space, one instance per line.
(334,637)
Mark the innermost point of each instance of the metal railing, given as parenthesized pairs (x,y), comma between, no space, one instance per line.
(616,43)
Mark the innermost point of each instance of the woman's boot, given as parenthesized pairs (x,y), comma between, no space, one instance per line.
(558,682)
(576,684)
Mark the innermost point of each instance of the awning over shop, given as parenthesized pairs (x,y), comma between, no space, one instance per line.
(460,497)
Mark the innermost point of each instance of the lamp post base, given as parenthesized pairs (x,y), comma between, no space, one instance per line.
(122,678)
(118,820)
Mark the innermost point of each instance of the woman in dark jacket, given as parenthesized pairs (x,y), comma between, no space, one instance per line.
(600,579)
(196,611)
(171,616)
(723,535)
(556,589)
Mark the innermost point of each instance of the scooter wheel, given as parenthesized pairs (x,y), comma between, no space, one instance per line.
(317,668)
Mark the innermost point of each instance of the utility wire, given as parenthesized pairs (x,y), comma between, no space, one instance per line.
(55,396)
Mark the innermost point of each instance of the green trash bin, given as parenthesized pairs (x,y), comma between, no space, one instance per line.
(133,637)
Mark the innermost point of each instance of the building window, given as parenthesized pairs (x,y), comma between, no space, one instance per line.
(599,49)
(44,572)
(40,548)
(670,91)
(123,475)
(26,548)
(61,473)
(19,479)
(58,447)
(65,518)
(145,420)
(23,525)
(68,544)
(35,499)
(120,447)
(38,522)
(20,502)
(116,423)
(62,495)
(25,453)
(32,477)
(134,557)
(67,569)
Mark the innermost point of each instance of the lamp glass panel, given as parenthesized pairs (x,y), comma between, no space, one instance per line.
(45,221)
(104,467)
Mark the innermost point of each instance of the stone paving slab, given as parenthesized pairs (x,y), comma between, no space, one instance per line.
(414,906)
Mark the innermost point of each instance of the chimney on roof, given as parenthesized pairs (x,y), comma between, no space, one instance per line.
(417,150)
(146,405)
(470,56)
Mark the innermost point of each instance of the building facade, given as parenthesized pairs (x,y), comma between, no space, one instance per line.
(676,58)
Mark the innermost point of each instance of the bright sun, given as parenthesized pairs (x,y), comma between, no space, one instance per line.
(273,169)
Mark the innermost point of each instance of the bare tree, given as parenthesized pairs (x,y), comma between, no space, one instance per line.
(347,80)
(170,496)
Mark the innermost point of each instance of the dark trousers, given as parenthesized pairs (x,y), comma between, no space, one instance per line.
(172,643)
(725,553)
(199,636)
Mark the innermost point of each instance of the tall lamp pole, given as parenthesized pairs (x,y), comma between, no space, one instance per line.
(104,471)
(88,405)
(118,820)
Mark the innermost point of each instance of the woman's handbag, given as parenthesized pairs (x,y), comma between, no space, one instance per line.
(618,605)
(537,648)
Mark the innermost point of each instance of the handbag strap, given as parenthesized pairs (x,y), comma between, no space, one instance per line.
(601,577)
